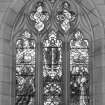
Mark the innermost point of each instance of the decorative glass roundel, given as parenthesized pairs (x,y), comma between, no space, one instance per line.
(65,17)
(39,17)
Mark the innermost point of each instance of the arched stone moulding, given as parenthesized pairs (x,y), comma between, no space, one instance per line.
(9,19)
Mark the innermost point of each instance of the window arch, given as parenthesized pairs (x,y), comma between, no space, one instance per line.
(9,32)
(52,61)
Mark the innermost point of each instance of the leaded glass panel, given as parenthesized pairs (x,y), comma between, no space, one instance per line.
(79,72)
(52,70)
(25,70)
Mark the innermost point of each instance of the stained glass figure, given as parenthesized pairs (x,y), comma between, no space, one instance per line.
(25,70)
(39,17)
(79,72)
(65,17)
(52,70)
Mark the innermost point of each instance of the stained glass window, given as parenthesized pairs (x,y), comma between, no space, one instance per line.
(25,69)
(79,72)
(52,70)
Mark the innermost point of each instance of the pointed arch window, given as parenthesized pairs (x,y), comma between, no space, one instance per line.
(62,76)
(25,69)
(79,72)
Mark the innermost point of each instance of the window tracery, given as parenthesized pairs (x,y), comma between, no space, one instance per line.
(79,72)
(39,16)
(52,70)
(25,69)
(65,16)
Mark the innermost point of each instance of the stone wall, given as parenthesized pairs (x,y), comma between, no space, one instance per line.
(9,9)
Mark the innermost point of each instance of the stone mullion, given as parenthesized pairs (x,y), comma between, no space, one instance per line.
(91,68)
(39,72)
(36,81)
(41,75)
(66,71)
(13,90)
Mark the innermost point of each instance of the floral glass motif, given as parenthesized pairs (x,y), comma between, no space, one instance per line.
(52,70)
(79,72)
(39,17)
(65,17)
(25,70)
